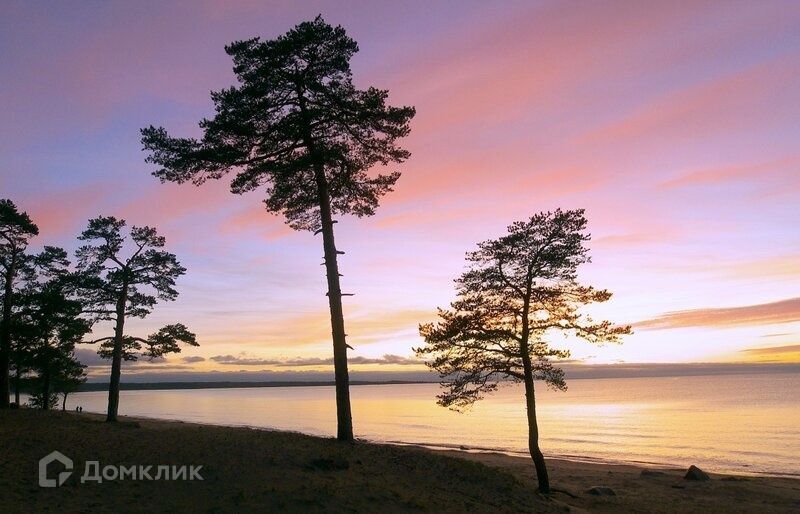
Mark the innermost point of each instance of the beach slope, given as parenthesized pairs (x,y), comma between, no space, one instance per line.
(248,470)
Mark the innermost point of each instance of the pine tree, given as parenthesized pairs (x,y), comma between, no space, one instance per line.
(16,229)
(49,324)
(296,126)
(117,287)
(517,290)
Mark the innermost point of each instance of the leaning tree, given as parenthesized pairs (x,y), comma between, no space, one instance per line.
(297,126)
(517,290)
(125,277)
(16,229)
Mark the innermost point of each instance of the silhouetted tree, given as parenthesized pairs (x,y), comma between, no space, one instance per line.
(517,289)
(69,379)
(24,282)
(50,323)
(64,379)
(19,366)
(16,229)
(156,345)
(40,400)
(66,375)
(117,287)
(296,125)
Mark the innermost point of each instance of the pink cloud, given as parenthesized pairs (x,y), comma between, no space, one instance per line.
(535,60)
(269,226)
(759,171)
(62,214)
(754,97)
(161,204)
(783,311)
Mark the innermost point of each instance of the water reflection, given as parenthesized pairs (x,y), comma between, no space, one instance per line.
(743,423)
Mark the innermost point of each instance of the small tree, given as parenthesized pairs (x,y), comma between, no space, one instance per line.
(42,401)
(69,378)
(118,287)
(65,375)
(50,322)
(296,125)
(517,289)
(16,229)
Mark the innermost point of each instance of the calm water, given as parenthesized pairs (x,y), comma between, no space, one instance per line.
(736,423)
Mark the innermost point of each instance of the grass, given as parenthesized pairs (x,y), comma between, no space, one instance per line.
(243,470)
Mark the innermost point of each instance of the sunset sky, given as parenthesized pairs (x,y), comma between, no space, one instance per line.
(674,124)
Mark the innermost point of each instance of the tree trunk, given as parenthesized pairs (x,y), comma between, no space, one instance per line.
(530,393)
(116,360)
(46,390)
(343,414)
(533,430)
(64,402)
(5,337)
(17,381)
(344,417)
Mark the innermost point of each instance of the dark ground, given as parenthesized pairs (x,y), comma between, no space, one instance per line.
(244,470)
(247,470)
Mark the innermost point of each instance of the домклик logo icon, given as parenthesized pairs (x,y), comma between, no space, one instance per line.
(45,461)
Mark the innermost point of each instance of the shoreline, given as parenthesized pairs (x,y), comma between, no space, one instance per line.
(466,450)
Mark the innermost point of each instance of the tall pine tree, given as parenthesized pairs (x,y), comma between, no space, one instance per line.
(296,126)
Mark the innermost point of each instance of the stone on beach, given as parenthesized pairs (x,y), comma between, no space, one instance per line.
(695,473)
(601,490)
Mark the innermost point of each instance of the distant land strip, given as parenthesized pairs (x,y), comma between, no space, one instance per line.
(149,386)
(573,372)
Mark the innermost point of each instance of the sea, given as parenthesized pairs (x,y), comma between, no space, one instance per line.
(743,424)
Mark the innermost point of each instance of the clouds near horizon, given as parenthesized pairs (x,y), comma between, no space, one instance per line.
(773,354)
(245,360)
(783,311)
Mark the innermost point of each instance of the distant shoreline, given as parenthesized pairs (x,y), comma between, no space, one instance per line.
(147,380)
(167,386)
(573,372)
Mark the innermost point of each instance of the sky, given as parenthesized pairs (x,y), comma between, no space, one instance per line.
(674,124)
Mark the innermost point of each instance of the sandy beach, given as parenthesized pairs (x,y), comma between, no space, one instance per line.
(646,489)
(248,470)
